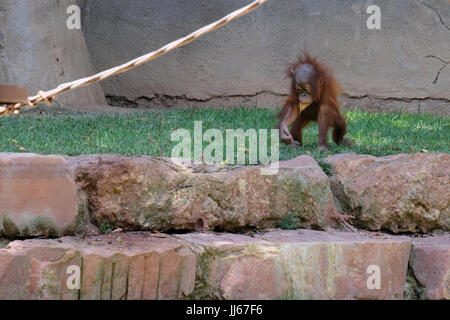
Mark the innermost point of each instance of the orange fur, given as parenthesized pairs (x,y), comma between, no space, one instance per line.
(324,109)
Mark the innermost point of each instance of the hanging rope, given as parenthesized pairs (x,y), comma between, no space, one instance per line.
(49,96)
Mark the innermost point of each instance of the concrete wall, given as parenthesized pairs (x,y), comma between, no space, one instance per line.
(39,51)
(403,66)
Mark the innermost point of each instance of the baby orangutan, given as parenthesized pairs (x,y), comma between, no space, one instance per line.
(312,97)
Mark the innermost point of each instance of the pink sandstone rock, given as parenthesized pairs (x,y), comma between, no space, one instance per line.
(400,193)
(430,263)
(298,264)
(146,193)
(37,196)
(120,266)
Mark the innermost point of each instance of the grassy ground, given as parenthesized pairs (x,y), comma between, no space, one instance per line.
(56,132)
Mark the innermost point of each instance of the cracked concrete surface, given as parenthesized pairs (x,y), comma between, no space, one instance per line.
(436,11)
(445,64)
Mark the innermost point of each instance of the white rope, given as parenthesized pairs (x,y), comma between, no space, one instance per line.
(49,96)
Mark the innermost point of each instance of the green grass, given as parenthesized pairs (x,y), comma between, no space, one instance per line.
(148,133)
(290,222)
(105,227)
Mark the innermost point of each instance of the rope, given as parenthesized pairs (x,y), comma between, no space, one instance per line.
(49,96)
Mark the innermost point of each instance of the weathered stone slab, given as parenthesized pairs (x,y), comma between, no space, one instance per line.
(113,267)
(146,193)
(299,264)
(37,196)
(430,263)
(400,193)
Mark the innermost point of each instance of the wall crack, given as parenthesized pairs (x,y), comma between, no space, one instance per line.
(445,64)
(436,11)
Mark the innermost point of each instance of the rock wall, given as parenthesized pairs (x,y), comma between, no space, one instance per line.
(147,193)
(254,248)
(39,51)
(287,265)
(402,66)
(401,193)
